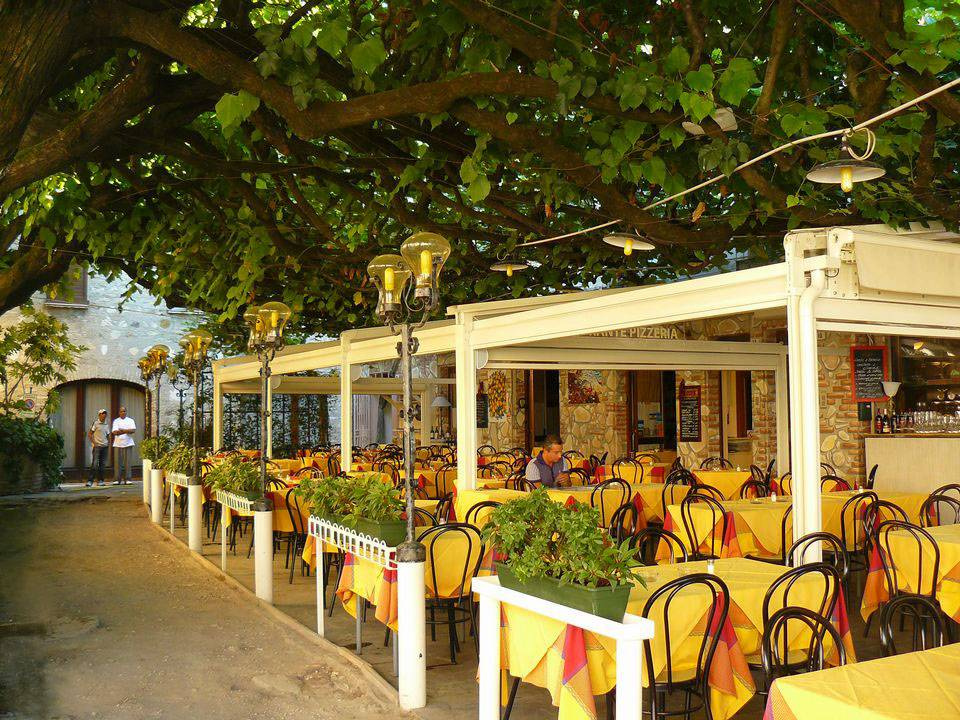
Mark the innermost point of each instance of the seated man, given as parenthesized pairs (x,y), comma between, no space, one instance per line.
(548,468)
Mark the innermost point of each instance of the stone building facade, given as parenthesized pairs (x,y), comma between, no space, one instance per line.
(106,374)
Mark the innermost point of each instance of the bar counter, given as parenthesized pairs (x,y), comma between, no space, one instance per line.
(913,462)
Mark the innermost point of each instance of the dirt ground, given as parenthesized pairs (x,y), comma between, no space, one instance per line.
(101,616)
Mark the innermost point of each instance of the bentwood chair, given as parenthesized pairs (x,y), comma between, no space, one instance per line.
(831,548)
(940,510)
(752,489)
(833,483)
(635,468)
(445,480)
(703,546)
(716,463)
(871,478)
(601,494)
(786,532)
(647,541)
(624,523)
(918,552)
(929,627)
(785,483)
(671,494)
(473,514)
(579,476)
(457,548)
(778,660)
(298,538)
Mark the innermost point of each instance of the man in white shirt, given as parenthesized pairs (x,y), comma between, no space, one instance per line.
(122,432)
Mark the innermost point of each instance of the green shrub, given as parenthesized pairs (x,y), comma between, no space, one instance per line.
(361,496)
(542,538)
(178,459)
(237,475)
(154,448)
(23,439)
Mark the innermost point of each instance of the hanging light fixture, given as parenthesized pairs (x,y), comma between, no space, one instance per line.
(848,171)
(510,266)
(629,242)
(425,253)
(390,276)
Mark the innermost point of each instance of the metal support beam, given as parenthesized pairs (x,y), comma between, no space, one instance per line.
(346,407)
(466,406)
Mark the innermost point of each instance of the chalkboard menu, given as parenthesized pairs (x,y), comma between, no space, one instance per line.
(689,421)
(868,367)
(483,411)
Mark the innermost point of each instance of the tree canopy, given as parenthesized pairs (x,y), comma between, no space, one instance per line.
(231,151)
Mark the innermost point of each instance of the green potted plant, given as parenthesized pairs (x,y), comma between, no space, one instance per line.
(560,553)
(154,448)
(237,476)
(176,459)
(363,503)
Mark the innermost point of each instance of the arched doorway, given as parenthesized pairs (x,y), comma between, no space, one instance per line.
(79,402)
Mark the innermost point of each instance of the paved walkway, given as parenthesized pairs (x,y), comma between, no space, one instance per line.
(103,617)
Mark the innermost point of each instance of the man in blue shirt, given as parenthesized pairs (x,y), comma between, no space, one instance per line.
(548,468)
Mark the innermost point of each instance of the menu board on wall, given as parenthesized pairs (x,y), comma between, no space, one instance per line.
(483,411)
(689,420)
(868,368)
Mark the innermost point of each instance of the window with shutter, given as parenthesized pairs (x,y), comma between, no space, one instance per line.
(72,291)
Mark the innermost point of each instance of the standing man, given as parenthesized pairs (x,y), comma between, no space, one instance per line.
(548,468)
(99,437)
(123,430)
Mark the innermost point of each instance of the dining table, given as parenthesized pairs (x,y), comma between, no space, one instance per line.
(576,666)
(728,482)
(904,556)
(922,685)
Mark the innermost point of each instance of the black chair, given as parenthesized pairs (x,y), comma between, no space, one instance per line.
(780,593)
(624,523)
(519,482)
(853,535)
(579,476)
(828,468)
(833,483)
(830,546)
(712,543)
(443,508)
(769,471)
(628,462)
(388,468)
(948,489)
(871,478)
(618,488)
(929,626)
(757,473)
(298,539)
(753,489)
(785,483)
(711,491)
(445,480)
(672,494)
(646,542)
(716,463)
(877,512)
(777,660)
(474,512)
(459,604)
(940,510)
(486,450)
(422,518)
(694,691)
(681,476)
(928,571)
(574,458)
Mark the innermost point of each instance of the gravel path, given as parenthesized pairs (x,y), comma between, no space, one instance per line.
(103,617)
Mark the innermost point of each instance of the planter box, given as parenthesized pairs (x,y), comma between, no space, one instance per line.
(606,602)
(392,532)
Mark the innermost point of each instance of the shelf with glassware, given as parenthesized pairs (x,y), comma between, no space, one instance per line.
(929,397)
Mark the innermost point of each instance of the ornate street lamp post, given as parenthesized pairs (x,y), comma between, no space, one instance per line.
(266,323)
(180,384)
(421,258)
(195,345)
(145,374)
(158,356)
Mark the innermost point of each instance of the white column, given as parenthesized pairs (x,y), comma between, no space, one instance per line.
(489,668)
(156,495)
(224,516)
(629,674)
(147,466)
(263,554)
(466,405)
(321,607)
(195,517)
(217,412)
(173,504)
(412,636)
(346,407)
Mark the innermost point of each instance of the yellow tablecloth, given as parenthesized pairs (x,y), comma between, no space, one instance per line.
(466,499)
(726,481)
(610,498)
(913,686)
(832,506)
(652,496)
(756,527)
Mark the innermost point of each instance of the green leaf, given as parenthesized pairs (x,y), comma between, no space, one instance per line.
(792,200)
(511,117)
(676,60)
(479,188)
(332,37)
(737,80)
(791,124)
(654,170)
(234,109)
(368,55)
(701,79)
(468,170)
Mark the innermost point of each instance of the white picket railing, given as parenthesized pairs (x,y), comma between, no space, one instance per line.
(629,635)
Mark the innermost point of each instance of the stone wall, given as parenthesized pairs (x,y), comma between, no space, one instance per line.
(691,453)
(508,430)
(596,428)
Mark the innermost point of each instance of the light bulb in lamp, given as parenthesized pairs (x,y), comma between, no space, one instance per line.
(628,242)
(274,316)
(510,266)
(160,354)
(390,276)
(425,253)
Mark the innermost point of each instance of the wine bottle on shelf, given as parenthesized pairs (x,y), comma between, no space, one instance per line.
(878,423)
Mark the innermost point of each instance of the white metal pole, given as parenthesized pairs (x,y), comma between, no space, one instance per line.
(412,636)
(263,554)
(195,517)
(346,407)
(629,684)
(321,607)
(217,412)
(156,495)
(224,516)
(489,668)
(173,502)
(466,364)
(147,465)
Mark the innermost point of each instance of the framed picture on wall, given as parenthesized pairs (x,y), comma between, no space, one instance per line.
(584,386)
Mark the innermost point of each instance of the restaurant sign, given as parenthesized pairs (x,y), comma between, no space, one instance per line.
(652,332)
